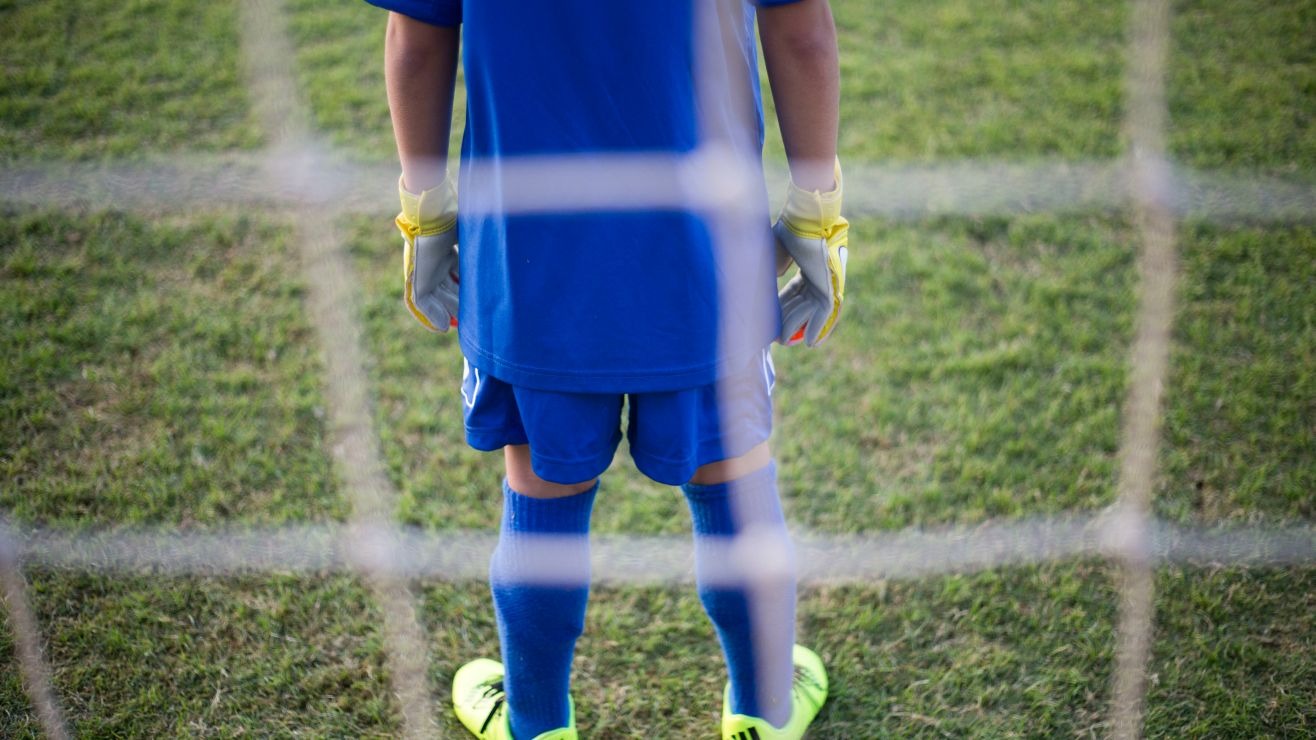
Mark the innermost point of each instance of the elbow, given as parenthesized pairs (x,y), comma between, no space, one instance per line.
(799,36)
(809,45)
(410,45)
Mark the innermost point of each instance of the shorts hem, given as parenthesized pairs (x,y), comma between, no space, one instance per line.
(679,472)
(492,440)
(664,472)
(570,472)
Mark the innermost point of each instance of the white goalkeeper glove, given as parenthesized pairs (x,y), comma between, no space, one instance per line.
(428,223)
(813,234)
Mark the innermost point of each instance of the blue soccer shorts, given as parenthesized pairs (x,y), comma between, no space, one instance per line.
(574,436)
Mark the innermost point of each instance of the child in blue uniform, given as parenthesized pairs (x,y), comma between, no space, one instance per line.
(567,315)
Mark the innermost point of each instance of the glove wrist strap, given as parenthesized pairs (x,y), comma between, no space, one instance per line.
(812,208)
(429,208)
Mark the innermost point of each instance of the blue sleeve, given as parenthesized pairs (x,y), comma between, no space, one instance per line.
(433,12)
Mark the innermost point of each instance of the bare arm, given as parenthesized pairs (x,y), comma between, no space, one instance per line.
(799,50)
(420,72)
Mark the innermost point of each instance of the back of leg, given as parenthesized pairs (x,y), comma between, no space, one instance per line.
(544,531)
(745,574)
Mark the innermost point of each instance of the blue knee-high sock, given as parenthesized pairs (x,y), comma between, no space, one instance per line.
(755,620)
(538,623)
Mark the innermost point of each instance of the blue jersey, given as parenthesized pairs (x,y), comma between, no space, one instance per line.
(632,298)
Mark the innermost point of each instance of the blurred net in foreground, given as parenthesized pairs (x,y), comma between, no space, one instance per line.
(319,177)
(648,560)
(297,175)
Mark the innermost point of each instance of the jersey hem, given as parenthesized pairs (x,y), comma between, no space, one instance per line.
(638,381)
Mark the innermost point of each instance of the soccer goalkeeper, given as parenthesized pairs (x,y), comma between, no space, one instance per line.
(568,316)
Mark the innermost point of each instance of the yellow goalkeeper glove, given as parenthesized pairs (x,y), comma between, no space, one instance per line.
(813,233)
(428,223)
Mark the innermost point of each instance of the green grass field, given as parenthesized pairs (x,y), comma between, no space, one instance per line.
(161,370)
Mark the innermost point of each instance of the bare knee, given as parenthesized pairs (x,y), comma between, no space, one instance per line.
(733,468)
(522,478)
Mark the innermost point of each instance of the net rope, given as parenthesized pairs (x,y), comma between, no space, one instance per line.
(309,176)
(1142,417)
(301,178)
(329,279)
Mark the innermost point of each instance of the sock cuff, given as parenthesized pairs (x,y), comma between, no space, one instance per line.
(565,515)
(719,508)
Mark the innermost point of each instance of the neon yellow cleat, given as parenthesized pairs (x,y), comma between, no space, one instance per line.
(480,702)
(807,696)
